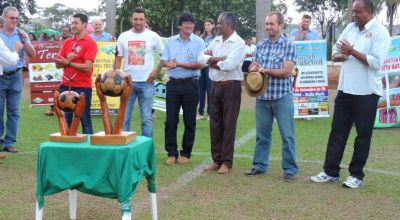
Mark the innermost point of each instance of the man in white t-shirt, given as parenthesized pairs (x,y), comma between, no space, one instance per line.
(136,47)
(249,48)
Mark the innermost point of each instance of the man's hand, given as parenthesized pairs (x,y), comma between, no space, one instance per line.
(152,77)
(345,47)
(172,64)
(255,67)
(214,60)
(61,61)
(17,46)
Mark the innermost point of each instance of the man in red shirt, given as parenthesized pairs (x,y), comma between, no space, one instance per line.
(76,56)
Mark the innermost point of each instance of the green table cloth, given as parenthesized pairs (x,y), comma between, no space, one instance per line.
(100,170)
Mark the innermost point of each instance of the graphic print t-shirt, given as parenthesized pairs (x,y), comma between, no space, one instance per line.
(137,50)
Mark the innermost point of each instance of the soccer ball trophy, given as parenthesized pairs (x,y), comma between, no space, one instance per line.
(68,101)
(113,83)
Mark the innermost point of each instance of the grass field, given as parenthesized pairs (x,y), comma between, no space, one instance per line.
(206,195)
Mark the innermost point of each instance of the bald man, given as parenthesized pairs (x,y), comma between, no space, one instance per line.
(99,34)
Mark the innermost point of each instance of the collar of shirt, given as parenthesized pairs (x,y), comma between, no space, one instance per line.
(178,37)
(234,38)
(279,41)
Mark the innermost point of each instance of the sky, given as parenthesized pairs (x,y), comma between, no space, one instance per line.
(93,4)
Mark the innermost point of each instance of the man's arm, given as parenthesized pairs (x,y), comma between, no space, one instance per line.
(117,62)
(8,58)
(153,75)
(283,72)
(61,62)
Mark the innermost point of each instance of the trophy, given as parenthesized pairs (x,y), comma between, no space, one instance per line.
(113,83)
(72,102)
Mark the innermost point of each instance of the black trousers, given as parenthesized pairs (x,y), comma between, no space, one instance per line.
(360,109)
(224,111)
(181,93)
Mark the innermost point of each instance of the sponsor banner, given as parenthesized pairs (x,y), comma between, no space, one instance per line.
(389,104)
(104,61)
(310,79)
(44,77)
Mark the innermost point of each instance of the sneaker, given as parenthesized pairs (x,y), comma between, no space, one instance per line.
(170,161)
(322,177)
(199,117)
(208,118)
(352,182)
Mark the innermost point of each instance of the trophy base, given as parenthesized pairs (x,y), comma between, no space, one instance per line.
(117,139)
(57,137)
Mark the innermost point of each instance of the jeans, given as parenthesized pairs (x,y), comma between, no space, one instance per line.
(282,109)
(10,96)
(186,95)
(144,92)
(86,120)
(360,109)
(205,88)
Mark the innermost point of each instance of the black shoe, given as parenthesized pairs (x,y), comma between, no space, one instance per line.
(289,177)
(253,172)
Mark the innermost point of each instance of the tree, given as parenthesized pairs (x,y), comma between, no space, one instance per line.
(393,6)
(22,6)
(326,12)
(60,15)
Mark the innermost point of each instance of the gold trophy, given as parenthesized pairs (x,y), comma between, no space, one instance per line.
(113,83)
(73,102)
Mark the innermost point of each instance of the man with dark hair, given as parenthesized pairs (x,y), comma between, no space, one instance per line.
(65,33)
(249,49)
(137,47)
(76,56)
(275,57)
(180,58)
(225,56)
(304,32)
(362,47)
(11,79)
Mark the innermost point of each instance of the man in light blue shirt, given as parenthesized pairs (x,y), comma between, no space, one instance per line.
(304,32)
(11,80)
(99,34)
(180,58)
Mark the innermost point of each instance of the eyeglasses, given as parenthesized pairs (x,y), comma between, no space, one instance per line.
(13,18)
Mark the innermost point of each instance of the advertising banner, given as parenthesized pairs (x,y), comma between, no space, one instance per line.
(310,79)
(389,103)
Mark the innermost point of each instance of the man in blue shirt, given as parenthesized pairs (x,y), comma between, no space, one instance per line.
(180,58)
(275,57)
(11,80)
(304,32)
(99,34)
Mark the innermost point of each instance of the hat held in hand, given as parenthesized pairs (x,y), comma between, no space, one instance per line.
(255,83)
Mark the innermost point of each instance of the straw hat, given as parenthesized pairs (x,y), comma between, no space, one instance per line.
(255,83)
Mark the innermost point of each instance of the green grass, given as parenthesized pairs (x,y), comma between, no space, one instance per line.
(213,196)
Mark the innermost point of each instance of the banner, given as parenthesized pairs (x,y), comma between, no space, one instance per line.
(104,61)
(310,79)
(388,112)
(44,77)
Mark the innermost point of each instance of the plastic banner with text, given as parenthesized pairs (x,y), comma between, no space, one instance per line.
(388,112)
(310,79)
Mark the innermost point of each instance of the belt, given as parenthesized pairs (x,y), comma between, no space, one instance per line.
(10,73)
(182,80)
(223,83)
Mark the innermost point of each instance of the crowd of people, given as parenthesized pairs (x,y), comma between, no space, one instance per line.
(211,67)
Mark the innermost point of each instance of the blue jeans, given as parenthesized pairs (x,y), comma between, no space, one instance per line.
(10,96)
(86,120)
(282,109)
(144,92)
(205,88)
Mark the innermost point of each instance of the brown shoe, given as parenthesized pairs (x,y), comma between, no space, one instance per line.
(2,156)
(49,113)
(223,169)
(170,161)
(10,149)
(183,160)
(213,167)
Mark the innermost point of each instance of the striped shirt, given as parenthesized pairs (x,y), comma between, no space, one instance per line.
(271,56)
